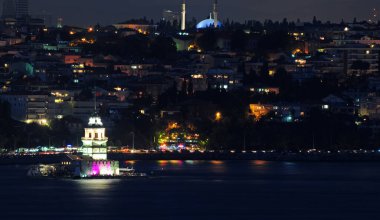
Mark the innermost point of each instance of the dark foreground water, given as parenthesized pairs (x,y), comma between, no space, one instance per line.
(201,190)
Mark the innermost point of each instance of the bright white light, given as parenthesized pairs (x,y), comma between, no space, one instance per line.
(95,121)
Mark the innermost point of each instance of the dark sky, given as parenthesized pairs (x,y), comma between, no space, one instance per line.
(86,12)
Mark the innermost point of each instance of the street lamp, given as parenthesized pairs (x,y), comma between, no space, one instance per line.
(218,116)
(133,141)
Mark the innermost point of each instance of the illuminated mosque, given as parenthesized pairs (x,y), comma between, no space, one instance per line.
(208,23)
(211,22)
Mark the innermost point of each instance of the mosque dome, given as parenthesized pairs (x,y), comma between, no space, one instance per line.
(208,23)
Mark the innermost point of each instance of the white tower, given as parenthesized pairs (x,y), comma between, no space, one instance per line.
(94,140)
(60,23)
(183,16)
(215,12)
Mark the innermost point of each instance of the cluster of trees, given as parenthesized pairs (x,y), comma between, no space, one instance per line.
(241,41)
(322,131)
(236,129)
(15,134)
(136,48)
(360,66)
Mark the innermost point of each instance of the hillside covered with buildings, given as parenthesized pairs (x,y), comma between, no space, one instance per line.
(225,85)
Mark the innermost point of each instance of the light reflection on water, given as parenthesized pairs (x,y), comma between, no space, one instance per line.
(260,162)
(218,166)
(260,166)
(96,184)
(213,166)
(163,163)
(198,190)
(176,162)
(217,162)
(130,162)
(190,162)
(290,167)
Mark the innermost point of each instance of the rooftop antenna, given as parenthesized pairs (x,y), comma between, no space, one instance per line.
(374,16)
(95,99)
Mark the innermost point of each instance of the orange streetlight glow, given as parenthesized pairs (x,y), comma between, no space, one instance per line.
(218,116)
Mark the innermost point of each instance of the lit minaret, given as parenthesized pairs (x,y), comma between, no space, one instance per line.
(183,20)
(373,18)
(215,12)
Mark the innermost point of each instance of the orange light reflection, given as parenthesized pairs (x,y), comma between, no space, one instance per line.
(217,162)
(260,162)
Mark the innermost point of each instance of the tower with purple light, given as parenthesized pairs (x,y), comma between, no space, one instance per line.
(94,162)
(95,140)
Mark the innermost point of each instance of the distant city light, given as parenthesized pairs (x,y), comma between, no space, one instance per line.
(218,116)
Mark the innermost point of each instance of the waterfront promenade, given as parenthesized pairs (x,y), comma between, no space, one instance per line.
(268,156)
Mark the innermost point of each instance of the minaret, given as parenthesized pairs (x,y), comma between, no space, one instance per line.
(373,18)
(183,17)
(215,12)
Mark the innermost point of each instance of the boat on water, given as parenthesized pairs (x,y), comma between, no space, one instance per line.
(131,172)
(42,170)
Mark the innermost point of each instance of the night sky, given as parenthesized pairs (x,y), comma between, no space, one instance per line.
(86,12)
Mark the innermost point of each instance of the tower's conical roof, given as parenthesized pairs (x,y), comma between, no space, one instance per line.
(95,120)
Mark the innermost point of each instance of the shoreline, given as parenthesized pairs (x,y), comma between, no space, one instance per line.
(275,157)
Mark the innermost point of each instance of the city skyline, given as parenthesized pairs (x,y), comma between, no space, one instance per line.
(84,14)
(191,109)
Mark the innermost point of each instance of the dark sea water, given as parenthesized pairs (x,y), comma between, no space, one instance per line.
(201,190)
